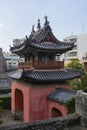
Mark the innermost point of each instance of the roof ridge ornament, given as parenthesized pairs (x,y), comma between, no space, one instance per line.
(38,25)
(33,28)
(46,21)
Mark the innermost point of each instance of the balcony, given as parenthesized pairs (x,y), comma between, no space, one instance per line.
(25,65)
(41,65)
(84,59)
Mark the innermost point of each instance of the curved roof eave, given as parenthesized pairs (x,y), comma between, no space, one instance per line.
(45,76)
(57,48)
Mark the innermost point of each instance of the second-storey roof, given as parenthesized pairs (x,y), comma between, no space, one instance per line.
(42,40)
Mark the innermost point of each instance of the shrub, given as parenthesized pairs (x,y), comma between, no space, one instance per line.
(1,121)
(5,102)
(70,104)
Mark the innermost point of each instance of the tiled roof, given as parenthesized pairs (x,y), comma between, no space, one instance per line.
(17,74)
(39,35)
(44,46)
(37,40)
(45,76)
(62,95)
(52,47)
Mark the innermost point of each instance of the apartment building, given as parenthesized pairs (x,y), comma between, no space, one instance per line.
(12,60)
(79,51)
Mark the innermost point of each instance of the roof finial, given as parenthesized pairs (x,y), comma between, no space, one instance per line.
(46,21)
(33,28)
(26,36)
(38,25)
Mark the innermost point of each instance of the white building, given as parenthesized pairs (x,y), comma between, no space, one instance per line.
(80,51)
(12,60)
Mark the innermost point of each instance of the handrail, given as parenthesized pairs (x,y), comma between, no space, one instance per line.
(41,65)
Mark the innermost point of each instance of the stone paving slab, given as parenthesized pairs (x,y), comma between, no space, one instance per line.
(8,118)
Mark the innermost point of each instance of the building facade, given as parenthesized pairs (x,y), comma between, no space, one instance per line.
(12,60)
(35,91)
(5,82)
(80,50)
(2,61)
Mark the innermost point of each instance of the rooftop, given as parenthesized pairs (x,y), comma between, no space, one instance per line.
(42,40)
(62,95)
(48,76)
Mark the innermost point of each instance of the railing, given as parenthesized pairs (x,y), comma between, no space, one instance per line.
(84,58)
(41,65)
(25,65)
(49,65)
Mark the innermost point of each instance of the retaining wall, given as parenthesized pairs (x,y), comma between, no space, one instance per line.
(61,123)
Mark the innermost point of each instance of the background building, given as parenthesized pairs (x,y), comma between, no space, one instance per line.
(80,51)
(5,81)
(2,62)
(12,60)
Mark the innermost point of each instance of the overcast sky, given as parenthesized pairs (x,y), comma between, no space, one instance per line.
(66,17)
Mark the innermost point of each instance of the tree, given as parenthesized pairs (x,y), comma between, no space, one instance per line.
(81,82)
(74,64)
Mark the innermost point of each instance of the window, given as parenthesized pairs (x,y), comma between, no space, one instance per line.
(72,54)
(3,80)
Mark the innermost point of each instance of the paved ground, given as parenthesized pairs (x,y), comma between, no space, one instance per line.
(76,128)
(8,118)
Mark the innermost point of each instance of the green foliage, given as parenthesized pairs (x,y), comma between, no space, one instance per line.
(1,108)
(0,101)
(74,64)
(6,102)
(1,121)
(80,83)
(70,104)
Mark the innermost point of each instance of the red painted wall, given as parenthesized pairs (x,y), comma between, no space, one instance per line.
(38,101)
(36,105)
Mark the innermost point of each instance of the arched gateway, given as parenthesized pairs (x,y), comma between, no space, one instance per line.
(19,101)
(40,73)
(56,112)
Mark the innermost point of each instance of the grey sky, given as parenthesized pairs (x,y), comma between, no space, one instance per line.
(18,16)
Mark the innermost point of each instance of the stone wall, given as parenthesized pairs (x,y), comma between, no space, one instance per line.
(2,62)
(61,123)
(81,106)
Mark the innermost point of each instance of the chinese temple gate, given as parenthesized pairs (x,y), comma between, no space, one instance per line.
(34,90)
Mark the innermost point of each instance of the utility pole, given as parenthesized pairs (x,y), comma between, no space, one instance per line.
(83,27)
